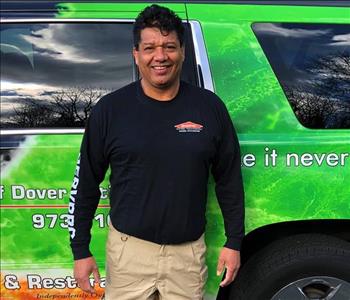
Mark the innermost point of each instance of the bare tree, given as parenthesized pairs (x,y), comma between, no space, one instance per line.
(31,114)
(65,108)
(324,101)
(73,106)
(311,109)
(334,75)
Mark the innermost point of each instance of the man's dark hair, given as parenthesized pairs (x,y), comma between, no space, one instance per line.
(159,17)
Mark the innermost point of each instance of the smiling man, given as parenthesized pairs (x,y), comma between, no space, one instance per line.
(160,137)
(159,56)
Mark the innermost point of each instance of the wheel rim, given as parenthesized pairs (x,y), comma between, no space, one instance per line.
(315,288)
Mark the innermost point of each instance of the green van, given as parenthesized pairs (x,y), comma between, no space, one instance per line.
(283,70)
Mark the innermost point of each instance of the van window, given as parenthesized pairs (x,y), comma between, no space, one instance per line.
(52,74)
(312,64)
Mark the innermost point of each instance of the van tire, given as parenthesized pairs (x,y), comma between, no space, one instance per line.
(311,261)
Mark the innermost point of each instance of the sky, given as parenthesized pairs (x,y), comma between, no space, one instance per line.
(41,59)
(293,49)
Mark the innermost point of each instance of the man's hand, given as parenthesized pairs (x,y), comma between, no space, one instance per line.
(231,260)
(82,270)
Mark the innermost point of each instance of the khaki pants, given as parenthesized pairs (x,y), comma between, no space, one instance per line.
(138,269)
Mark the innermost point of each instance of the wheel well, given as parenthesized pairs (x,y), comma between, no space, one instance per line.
(261,237)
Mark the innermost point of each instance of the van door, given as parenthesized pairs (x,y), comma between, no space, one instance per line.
(54,68)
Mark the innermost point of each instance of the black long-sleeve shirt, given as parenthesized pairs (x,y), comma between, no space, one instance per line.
(160,154)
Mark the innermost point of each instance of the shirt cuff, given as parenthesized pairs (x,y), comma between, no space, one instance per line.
(233,243)
(81,252)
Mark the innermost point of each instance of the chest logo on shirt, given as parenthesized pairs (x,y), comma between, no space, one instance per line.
(189,127)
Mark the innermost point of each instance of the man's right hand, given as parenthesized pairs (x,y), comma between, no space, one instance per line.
(82,270)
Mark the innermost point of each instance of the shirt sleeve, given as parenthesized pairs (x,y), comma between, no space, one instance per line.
(226,170)
(85,192)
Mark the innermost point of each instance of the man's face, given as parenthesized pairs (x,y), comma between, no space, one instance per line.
(159,58)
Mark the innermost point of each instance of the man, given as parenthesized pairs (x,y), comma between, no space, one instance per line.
(160,136)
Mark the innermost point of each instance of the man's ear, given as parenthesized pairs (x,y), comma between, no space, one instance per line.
(135,54)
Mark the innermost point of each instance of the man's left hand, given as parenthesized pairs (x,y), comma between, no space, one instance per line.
(231,260)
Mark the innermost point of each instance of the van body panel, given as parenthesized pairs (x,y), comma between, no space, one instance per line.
(265,121)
